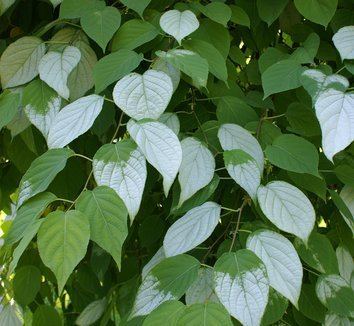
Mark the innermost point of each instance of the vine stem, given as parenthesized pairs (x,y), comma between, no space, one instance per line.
(65,200)
(230,209)
(237,224)
(118,126)
(83,156)
(274,117)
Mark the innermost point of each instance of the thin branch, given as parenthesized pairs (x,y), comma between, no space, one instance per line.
(118,126)
(274,117)
(64,200)
(230,209)
(237,224)
(83,156)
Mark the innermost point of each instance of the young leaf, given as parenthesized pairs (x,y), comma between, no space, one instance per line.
(244,170)
(92,312)
(114,66)
(318,11)
(191,229)
(168,313)
(74,120)
(143,96)
(344,42)
(336,294)
(100,25)
(334,112)
(168,280)
(123,168)
(160,147)
(133,33)
(293,153)
(42,104)
(283,265)
(288,208)
(19,62)
(179,24)
(232,136)
(168,69)
(55,68)
(208,314)
(242,286)
(26,284)
(62,242)
(108,219)
(197,168)
(42,172)
(191,63)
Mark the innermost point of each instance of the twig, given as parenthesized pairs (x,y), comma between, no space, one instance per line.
(83,156)
(237,224)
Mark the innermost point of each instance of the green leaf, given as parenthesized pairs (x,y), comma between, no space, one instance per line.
(234,110)
(336,294)
(308,51)
(62,242)
(92,313)
(108,219)
(216,11)
(293,153)
(216,62)
(138,6)
(318,11)
(208,314)
(309,305)
(345,204)
(9,103)
(345,262)
(19,62)
(114,66)
(270,10)
(310,183)
(100,25)
(78,8)
(42,172)
(46,315)
(275,309)
(318,254)
(26,215)
(239,16)
(41,104)
(168,280)
(191,63)
(132,34)
(168,313)
(26,284)
(5,4)
(242,286)
(281,76)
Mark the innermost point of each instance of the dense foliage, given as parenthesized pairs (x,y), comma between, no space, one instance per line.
(177,163)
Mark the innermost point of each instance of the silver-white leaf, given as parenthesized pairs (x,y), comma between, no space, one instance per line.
(191,229)
(345,262)
(281,260)
(160,147)
(179,24)
(288,208)
(232,136)
(162,65)
(344,42)
(74,120)
(335,113)
(159,256)
(143,96)
(347,195)
(55,68)
(197,168)
(171,121)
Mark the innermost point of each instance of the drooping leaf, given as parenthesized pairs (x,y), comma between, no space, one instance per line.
(42,104)
(19,62)
(108,219)
(42,172)
(114,66)
(307,52)
(143,96)
(239,16)
(343,41)
(334,112)
(55,68)
(168,280)
(74,120)
(242,286)
(179,24)
(191,229)
(62,242)
(197,168)
(293,153)
(336,294)
(189,62)
(122,167)
(160,147)
(283,265)
(232,137)
(100,25)
(288,208)
(26,283)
